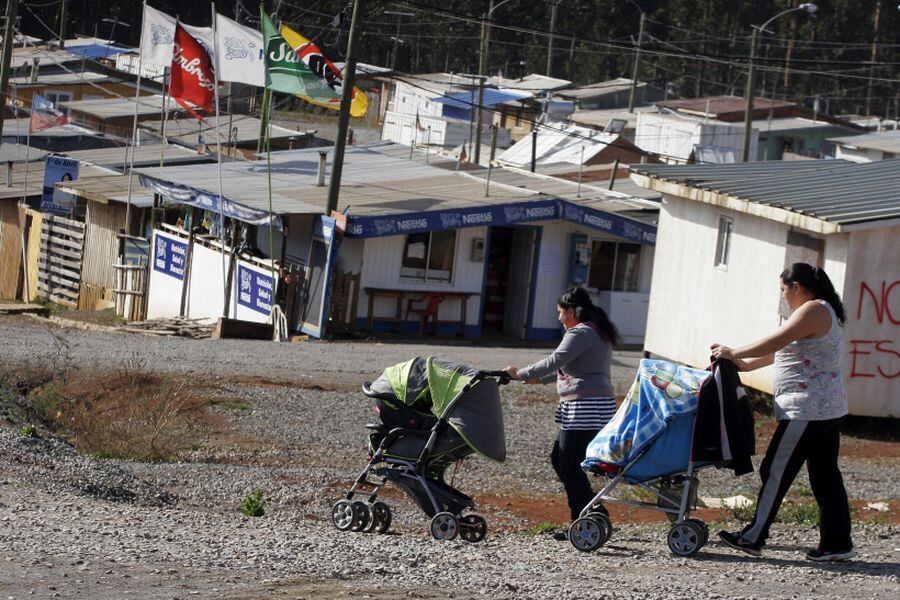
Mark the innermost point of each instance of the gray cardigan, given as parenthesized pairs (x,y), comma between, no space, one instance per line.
(581,365)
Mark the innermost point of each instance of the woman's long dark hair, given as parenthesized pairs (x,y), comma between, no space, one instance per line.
(588,312)
(819,285)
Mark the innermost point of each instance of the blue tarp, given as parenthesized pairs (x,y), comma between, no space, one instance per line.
(492,97)
(95,51)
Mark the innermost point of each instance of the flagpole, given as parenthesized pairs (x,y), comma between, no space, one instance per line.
(219,161)
(165,116)
(268,144)
(137,94)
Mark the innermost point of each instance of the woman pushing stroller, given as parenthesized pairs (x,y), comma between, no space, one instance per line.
(809,406)
(581,365)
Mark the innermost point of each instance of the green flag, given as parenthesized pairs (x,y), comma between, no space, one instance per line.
(285,71)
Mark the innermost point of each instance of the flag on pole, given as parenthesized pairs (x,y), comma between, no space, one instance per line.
(201,142)
(240,53)
(285,72)
(326,71)
(44,115)
(192,81)
(157,36)
(204,35)
(419,123)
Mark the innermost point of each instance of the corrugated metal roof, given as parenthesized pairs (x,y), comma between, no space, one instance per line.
(492,97)
(186,129)
(35,178)
(111,108)
(62,78)
(145,155)
(11,151)
(838,192)
(533,82)
(886,141)
(558,144)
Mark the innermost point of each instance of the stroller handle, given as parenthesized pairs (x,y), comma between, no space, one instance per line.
(502,376)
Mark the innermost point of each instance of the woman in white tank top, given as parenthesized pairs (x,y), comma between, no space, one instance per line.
(809,406)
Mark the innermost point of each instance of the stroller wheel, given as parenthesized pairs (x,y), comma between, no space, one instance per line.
(589,533)
(603,519)
(361,516)
(444,526)
(703,528)
(472,528)
(342,515)
(685,538)
(381,518)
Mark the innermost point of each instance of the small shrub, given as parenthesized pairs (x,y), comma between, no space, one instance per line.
(253,504)
(29,431)
(545,527)
(799,513)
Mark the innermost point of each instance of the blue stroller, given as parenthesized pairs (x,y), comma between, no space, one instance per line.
(648,444)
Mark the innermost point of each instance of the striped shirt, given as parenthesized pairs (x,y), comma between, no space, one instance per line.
(584,413)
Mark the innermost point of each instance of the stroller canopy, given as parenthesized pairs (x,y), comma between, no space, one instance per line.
(429,384)
(661,391)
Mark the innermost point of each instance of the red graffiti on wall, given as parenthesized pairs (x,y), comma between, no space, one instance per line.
(876,357)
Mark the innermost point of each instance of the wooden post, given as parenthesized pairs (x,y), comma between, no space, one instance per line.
(235,237)
(189,259)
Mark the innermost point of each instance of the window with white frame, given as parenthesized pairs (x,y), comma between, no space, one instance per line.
(723,241)
(56,97)
(429,257)
(615,266)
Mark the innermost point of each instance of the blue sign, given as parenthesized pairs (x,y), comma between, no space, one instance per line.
(476,216)
(169,256)
(611,223)
(53,201)
(501,214)
(255,290)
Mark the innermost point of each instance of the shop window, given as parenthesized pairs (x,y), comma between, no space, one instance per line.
(723,242)
(429,257)
(615,266)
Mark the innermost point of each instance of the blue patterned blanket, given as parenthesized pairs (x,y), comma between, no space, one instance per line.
(661,391)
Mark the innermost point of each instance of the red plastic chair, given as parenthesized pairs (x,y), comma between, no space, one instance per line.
(430,310)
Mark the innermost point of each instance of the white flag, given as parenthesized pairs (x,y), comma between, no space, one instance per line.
(239,54)
(157,37)
(204,35)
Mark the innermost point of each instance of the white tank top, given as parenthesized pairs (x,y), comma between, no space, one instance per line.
(808,377)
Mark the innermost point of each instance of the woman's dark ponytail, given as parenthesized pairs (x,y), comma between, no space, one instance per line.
(587,312)
(815,280)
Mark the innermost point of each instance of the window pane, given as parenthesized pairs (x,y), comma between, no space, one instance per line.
(414,255)
(440,263)
(600,275)
(723,242)
(628,266)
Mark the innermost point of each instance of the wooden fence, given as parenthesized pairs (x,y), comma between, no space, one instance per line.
(59,266)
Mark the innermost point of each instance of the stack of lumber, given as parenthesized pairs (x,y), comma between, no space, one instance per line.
(173,326)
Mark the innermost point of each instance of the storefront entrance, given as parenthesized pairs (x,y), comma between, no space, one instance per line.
(508,285)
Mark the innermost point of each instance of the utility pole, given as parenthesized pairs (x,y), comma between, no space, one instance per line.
(340,143)
(482,66)
(552,29)
(751,85)
(8,41)
(637,63)
(874,57)
(62,23)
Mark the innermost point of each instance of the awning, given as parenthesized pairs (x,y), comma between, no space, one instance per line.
(492,97)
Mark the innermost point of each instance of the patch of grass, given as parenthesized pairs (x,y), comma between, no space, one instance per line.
(541,528)
(802,491)
(798,513)
(52,307)
(253,504)
(230,403)
(29,431)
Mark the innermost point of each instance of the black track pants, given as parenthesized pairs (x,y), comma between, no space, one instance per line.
(817,443)
(566,457)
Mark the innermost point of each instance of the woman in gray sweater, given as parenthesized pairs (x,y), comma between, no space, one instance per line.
(581,367)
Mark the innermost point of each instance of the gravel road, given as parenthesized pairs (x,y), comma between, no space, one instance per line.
(73,526)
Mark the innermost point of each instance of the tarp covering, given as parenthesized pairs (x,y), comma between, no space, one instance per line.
(661,391)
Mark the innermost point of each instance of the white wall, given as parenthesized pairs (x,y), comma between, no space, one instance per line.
(693,303)
(871,294)
(674,137)
(626,309)
(206,294)
(381,268)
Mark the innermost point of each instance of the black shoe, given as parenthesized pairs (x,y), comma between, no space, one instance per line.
(736,541)
(830,556)
(561,536)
